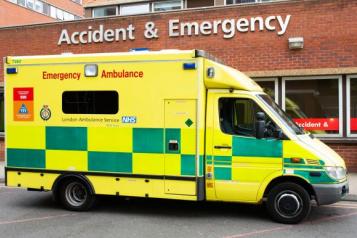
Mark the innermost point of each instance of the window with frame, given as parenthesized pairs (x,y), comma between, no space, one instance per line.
(134,9)
(237,116)
(105,11)
(230,2)
(269,86)
(167,5)
(352,101)
(90,102)
(315,104)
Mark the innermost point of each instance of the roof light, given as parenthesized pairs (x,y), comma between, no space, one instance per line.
(91,70)
(11,70)
(188,66)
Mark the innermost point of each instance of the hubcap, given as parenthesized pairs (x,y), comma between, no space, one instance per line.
(288,204)
(76,194)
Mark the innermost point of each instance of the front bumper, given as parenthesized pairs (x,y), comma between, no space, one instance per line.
(330,193)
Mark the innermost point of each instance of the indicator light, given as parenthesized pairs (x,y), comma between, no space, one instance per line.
(189,66)
(11,70)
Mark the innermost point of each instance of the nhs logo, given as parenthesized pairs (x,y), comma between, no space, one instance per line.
(128,119)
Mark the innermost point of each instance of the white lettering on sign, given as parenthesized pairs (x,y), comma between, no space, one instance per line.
(176,28)
(97,36)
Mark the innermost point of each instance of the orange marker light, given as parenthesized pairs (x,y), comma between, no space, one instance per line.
(296,160)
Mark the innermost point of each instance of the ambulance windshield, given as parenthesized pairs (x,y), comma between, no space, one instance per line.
(281,114)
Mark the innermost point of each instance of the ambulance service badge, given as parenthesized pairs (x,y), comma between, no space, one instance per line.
(45,113)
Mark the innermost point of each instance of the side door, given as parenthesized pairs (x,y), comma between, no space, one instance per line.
(180,146)
(241,161)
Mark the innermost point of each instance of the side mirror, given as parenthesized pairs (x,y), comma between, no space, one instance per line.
(260,125)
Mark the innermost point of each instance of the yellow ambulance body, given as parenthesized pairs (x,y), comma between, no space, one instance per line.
(168,124)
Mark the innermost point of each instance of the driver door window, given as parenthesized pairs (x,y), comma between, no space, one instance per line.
(237,116)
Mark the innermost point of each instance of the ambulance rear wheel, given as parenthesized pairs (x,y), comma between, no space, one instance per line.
(288,203)
(75,195)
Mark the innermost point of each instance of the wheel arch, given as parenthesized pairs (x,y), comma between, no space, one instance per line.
(290,178)
(69,176)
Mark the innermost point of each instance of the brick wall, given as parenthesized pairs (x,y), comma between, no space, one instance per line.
(12,15)
(329,28)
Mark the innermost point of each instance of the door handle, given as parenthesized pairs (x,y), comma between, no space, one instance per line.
(223,147)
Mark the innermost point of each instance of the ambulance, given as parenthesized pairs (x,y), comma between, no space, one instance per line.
(169,124)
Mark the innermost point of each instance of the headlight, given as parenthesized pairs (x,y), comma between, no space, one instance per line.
(336,173)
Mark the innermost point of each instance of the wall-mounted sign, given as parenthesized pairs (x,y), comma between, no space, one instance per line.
(323,124)
(227,28)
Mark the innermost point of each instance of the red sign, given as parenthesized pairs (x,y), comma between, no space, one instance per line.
(313,124)
(353,124)
(23,104)
(23,94)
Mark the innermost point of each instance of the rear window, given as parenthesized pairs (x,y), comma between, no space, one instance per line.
(90,102)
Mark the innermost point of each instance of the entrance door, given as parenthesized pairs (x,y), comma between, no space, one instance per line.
(180,147)
(241,162)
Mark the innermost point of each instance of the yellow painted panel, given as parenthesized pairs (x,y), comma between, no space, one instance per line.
(188,141)
(26,137)
(30,180)
(292,149)
(110,139)
(234,191)
(178,111)
(221,139)
(173,164)
(104,185)
(152,164)
(180,187)
(67,160)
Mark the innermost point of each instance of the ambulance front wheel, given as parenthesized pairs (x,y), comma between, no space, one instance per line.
(75,195)
(288,203)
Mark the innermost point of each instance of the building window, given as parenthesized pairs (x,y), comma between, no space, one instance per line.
(352,105)
(167,5)
(46,9)
(105,11)
(134,9)
(230,2)
(315,103)
(270,87)
(30,4)
(77,1)
(90,102)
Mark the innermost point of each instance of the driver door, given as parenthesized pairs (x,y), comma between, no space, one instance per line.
(240,161)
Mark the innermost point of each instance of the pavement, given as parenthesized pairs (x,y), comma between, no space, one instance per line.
(35,215)
(352,178)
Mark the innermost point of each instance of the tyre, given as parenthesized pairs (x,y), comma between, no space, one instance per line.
(75,195)
(288,203)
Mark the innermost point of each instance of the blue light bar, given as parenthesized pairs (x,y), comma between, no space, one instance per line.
(188,66)
(139,49)
(11,70)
